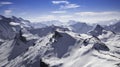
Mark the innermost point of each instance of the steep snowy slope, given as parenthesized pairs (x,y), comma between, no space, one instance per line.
(90,52)
(22,22)
(55,44)
(12,25)
(6,30)
(12,39)
(24,44)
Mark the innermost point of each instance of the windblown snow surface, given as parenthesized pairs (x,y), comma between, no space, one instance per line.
(53,46)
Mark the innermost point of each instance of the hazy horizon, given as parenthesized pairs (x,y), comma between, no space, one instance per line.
(89,11)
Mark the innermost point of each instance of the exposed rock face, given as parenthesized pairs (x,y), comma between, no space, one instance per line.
(43,64)
(97,30)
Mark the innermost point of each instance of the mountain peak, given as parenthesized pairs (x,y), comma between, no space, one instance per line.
(97,30)
(98,27)
(1,17)
(80,27)
(97,44)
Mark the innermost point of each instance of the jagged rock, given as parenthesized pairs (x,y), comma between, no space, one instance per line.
(21,37)
(100,46)
(43,64)
(118,64)
(57,35)
(97,30)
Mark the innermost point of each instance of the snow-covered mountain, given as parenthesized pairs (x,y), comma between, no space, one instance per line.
(114,27)
(80,27)
(38,25)
(22,45)
(46,30)
(52,22)
(77,27)
(98,30)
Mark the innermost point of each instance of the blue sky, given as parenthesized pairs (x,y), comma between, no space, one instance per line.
(91,11)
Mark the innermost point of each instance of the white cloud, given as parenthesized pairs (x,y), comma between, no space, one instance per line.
(96,13)
(43,18)
(23,13)
(65,4)
(60,2)
(5,3)
(94,17)
(8,12)
(65,18)
(58,12)
(62,18)
(68,6)
(88,17)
